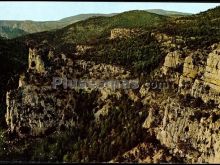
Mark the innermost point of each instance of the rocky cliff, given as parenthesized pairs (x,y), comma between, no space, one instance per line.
(35,107)
(182,122)
(196,72)
(189,126)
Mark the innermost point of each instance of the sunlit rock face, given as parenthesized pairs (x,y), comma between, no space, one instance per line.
(206,78)
(35,61)
(196,73)
(190,133)
(172,60)
(212,70)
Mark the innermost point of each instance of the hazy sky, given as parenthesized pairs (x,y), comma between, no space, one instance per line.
(43,11)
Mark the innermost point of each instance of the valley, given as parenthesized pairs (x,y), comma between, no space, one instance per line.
(176,122)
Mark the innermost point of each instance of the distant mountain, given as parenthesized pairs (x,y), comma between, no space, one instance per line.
(168,13)
(81,17)
(13,29)
(9,32)
(97,27)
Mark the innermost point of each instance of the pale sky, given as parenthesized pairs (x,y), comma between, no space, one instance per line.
(45,11)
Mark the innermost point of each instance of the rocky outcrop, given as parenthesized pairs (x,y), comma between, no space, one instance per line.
(168,42)
(36,108)
(124,33)
(190,133)
(102,71)
(196,73)
(35,111)
(81,49)
(172,60)
(212,70)
(35,61)
(146,153)
(204,77)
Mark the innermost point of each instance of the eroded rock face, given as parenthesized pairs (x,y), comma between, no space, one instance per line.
(190,133)
(172,60)
(199,75)
(35,61)
(212,70)
(124,33)
(36,108)
(206,84)
(35,111)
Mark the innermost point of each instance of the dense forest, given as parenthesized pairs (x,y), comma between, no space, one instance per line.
(199,30)
(140,54)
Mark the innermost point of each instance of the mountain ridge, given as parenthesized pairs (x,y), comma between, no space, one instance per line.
(168,12)
(21,27)
(29,26)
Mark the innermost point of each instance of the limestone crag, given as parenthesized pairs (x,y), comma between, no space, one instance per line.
(35,111)
(190,133)
(35,107)
(204,77)
(195,72)
(172,61)
(212,70)
(124,33)
(169,42)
